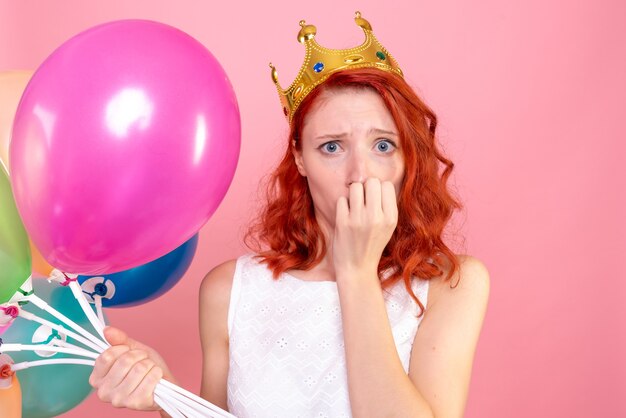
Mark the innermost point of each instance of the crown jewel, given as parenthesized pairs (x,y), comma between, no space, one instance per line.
(320,62)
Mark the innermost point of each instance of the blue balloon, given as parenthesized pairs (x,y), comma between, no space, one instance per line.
(141,284)
(49,390)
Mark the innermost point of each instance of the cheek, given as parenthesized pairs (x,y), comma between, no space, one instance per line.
(399,178)
(398,187)
(323,176)
(324,190)
(392,170)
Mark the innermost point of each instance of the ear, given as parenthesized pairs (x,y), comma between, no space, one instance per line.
(297,156)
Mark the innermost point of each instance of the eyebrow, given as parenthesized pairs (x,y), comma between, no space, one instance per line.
(343,135)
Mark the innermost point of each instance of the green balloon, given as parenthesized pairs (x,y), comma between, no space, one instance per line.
(50,390)
(15,264)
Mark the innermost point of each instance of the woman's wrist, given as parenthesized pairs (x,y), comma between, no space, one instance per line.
(356,274)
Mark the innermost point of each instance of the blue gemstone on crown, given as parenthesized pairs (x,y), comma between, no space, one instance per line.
(318,67)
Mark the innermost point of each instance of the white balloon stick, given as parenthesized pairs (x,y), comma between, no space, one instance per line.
(175,404)
(9,347)
(40,303)
(186,405)
(196,398)
(80,297)
(98,302)
(167,407)
(28,364)
(32,317)
(63,343)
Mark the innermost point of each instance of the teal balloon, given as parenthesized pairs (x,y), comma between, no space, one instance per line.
(50,390)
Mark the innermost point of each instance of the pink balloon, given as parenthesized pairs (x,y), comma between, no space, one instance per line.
(124,144)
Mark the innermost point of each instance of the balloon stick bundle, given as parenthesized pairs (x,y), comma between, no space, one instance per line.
(176,401)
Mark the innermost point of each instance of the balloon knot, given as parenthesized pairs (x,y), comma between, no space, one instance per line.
(11,311)
(5,371)
(62,278)
(100,289)
(68,280)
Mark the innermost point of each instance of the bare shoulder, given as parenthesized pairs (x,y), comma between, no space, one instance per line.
(472,276)
(215,298)
(215,286)
(469,283)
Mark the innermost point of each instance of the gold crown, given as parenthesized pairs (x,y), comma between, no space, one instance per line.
(320,63)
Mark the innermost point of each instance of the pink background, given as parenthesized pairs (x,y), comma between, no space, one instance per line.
(531,101)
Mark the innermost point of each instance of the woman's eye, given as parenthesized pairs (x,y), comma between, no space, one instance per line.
(384,146)
(330,147)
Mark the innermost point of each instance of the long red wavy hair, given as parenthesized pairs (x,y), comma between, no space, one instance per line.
(286,234)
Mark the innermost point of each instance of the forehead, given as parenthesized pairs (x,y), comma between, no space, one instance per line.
(346,109)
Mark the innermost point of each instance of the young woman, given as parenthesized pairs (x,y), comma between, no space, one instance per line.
(352,304)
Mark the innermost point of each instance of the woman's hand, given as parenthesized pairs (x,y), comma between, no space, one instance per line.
(127,373)
(363,226)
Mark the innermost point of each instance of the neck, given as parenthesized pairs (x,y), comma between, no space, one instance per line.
(326,266)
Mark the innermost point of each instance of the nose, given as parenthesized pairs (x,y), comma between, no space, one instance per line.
(358,170)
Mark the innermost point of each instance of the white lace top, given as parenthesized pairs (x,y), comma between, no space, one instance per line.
(287,355)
